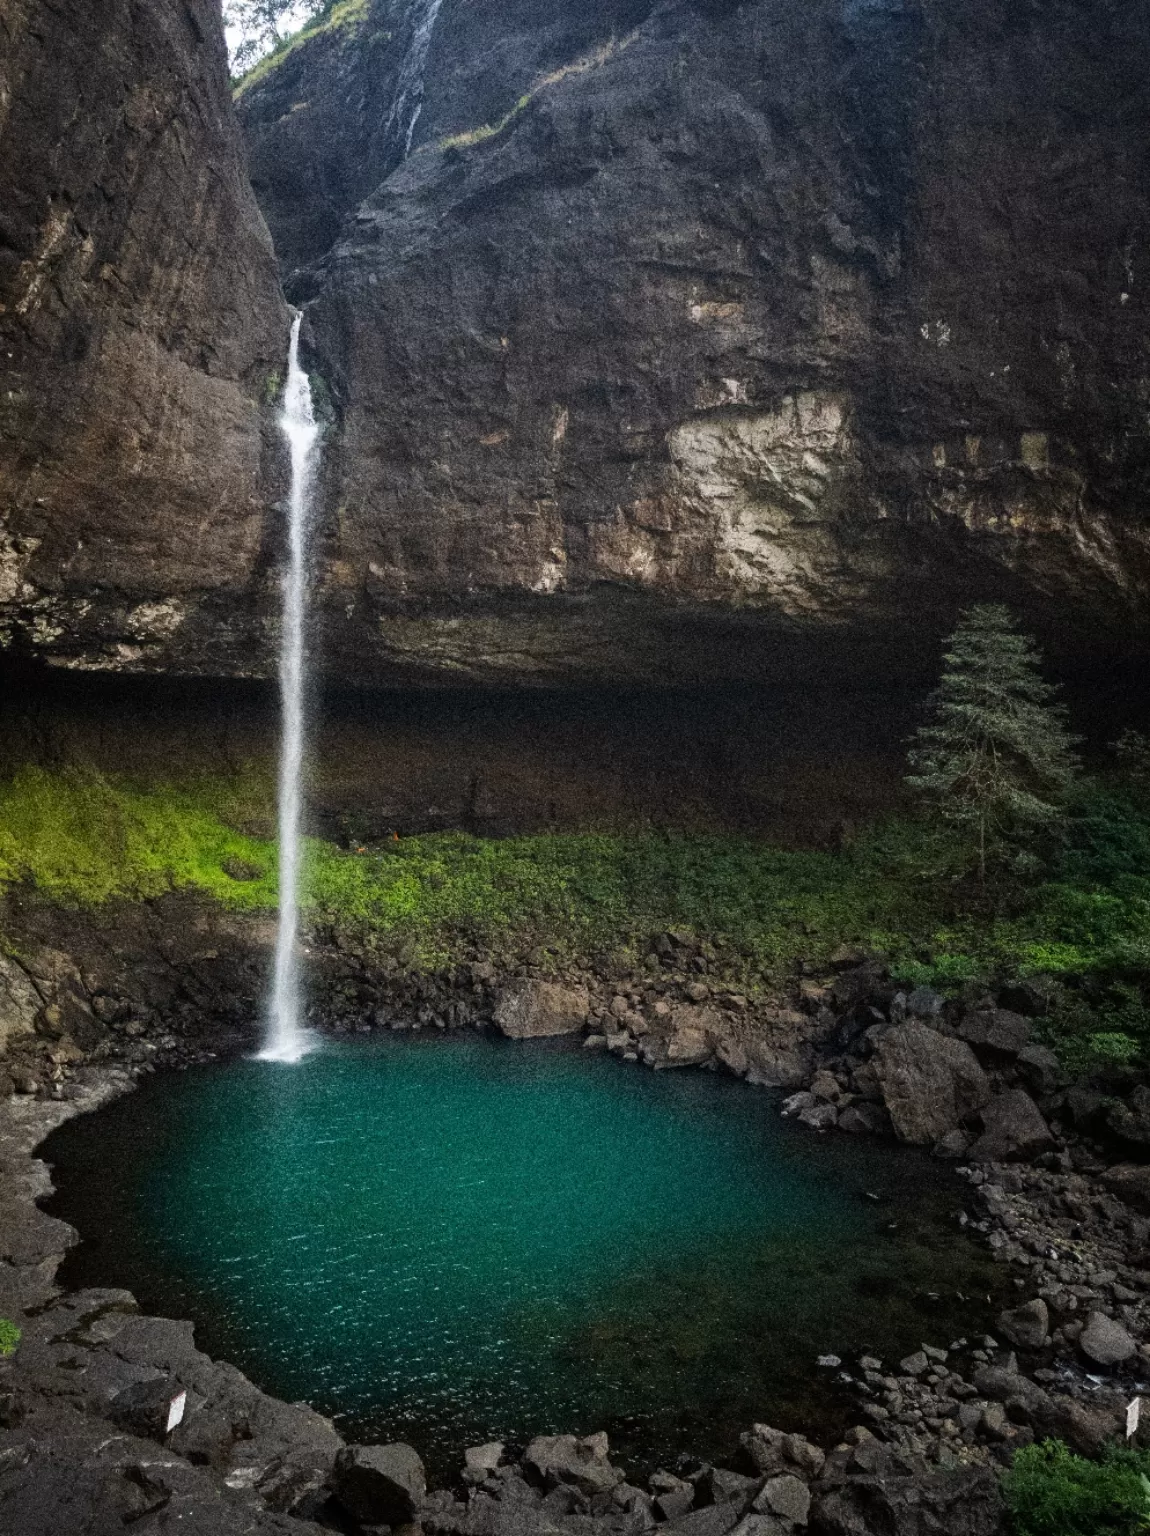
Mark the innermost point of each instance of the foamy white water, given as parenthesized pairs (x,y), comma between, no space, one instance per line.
(285,1039)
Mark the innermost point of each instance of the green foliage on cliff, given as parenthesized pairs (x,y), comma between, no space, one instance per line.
(9,1338)
(1051,1492)
(82,839)
(332,16)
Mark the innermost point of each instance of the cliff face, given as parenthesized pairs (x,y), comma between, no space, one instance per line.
(687,332)
(140,326)
(670,339)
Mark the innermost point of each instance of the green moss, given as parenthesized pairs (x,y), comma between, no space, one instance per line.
(9,1338)
(82,839)
(342,16)
(486,130)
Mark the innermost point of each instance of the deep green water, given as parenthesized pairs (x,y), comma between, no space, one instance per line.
(456,1239)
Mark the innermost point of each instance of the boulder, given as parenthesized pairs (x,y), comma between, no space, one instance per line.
(1027,1326)
(929,1082)
(693,1032)
(1040,1069)
(566,1460)
(1131,1183)
(1012,1127)
(1085,1430)
(772,1452)
(1105,1341)
(995,1031)
(924,1003)
(786,1496)
(479,1461)
(1130,1121)
(380,1484)
(954,1145)
(962,1501)
(819,1117)
(533,1010)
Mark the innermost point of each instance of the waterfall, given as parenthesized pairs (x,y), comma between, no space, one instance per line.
(408,104)
(285,1039)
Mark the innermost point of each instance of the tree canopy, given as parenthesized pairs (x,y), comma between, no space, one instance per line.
(256,27)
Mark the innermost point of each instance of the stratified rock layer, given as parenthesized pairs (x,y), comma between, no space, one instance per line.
(141,326)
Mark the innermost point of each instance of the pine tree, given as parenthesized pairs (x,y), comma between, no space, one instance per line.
(996,758)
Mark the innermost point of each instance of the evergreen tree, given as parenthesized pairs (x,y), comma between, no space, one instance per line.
(996,758)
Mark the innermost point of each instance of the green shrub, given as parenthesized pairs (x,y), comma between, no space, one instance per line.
(1051,1492)
(9,1338)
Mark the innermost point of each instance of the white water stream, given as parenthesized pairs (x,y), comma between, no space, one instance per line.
(285,1039)
(408,105)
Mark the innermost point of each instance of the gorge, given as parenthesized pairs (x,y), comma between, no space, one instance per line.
(685,371)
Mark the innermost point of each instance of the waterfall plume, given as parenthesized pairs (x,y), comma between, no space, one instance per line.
(285,1039)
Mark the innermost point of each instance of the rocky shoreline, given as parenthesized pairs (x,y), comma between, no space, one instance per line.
(1056,1192)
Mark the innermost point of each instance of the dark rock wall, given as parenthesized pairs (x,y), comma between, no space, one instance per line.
(756,322)
(691,340)
(140,326)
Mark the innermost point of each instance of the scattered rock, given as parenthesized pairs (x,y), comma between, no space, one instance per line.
(1105,1341)
(380,1484)
(532,1010)
(1012,1127)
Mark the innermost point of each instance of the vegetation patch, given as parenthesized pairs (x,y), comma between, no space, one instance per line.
(9,1338)
(593,60)
(341,16)
(81,838)
(1051,1492)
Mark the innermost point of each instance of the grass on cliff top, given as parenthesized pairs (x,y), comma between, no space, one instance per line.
(339,16)
(593,60)
(82,839)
